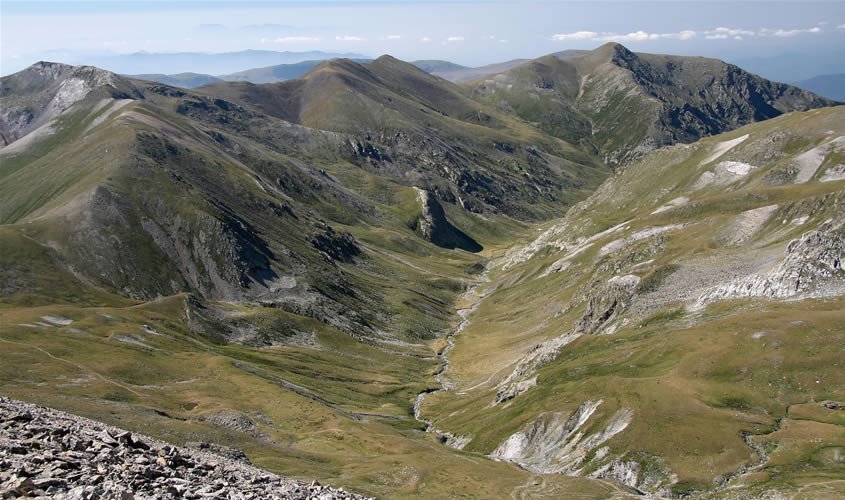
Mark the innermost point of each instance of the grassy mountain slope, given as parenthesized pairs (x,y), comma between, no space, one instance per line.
(195,269)
(329,407)
(273,266)
(624,104)
(680,330)
(277,73)
(34,97)
(273,74)
(173,193)
(413,127)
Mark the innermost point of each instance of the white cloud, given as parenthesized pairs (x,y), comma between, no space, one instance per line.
(394,37)
(782,33)
(578,35)
(841,26)
(349,38)
(722,33)
(719,33)
(455,39)
(634,36)
(425,39)
(290,39)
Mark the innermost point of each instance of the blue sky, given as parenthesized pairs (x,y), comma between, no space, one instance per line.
(467,32)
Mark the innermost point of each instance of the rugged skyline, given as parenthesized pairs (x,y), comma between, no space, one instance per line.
(607,267)
(468,33)
(599,270)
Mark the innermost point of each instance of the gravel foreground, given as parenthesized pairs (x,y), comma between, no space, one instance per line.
(46,453)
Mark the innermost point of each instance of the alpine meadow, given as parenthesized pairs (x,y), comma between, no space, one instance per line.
(250,257)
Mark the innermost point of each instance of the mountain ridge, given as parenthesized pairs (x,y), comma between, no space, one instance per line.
(590,97)
(206,63)
(390,105)
(340,274)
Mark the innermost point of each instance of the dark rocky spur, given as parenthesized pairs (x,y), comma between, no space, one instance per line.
(45,453)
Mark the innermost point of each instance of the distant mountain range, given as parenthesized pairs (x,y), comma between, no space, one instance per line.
(796,66)
(281,72)
(268,74)
(830,86)
(184,80)
(436,66)
(197,62)
(784,68)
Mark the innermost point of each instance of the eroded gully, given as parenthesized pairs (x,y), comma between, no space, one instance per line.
(473,296)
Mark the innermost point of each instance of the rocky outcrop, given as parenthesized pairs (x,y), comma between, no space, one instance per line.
(556,443)
(48,453)
(808,163)
(604,305)
(34,97)
(626,472)
(524,376)
(746,225)
(645,472)
(337,246)
(231,419)
(433,226)
(614,297)
(812,266)
(643,234)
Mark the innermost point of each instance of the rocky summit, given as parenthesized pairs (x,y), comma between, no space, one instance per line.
(46,453)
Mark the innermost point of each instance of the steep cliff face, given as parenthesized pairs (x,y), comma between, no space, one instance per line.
(812,266)
(625,104)
(433,226)
(420,130)
(33,98)
(554,443)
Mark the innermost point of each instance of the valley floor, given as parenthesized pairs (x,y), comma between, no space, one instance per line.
(106,363)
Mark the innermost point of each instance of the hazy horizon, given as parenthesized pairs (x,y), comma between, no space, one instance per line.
(470,33)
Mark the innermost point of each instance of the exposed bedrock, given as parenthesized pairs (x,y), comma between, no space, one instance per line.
(433,226)
(603,306)
(811,267)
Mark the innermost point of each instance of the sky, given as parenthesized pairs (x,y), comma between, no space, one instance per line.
(472,33)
